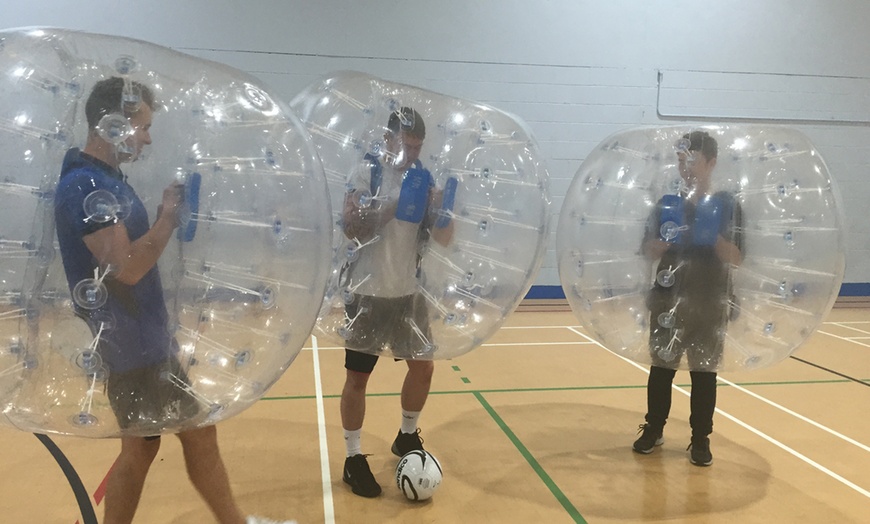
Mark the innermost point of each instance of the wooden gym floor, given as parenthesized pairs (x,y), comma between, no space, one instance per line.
(535,426)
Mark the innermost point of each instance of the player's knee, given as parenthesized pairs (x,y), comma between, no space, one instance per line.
(200,437)
(140,449)
(421,368)
(356,380)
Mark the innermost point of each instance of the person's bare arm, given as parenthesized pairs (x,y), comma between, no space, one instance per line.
(130,261)
(654,248)
(442,235)
(728,252)
(362,222)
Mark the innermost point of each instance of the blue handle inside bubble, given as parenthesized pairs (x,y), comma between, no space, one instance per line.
(447,202)
(191,199)
(413,195)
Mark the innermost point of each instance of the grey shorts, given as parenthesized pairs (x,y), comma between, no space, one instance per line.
(152,397)
(399,325)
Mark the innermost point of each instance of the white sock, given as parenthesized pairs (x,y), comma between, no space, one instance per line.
(409,421)
(352,442)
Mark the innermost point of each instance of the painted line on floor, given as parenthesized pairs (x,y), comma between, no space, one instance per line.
(542,474)
(501,344)
(850,327)
(532,327)
(847,339)
(752,429)
(83,500)
(829,370)
(328,504)
(490,344)
(463,379)
(797,415)
(563,388)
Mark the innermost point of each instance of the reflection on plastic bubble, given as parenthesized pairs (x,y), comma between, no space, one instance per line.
(667,320)
(90,294)
(88,360)
(126,65)
(230,302)
(362,199)
(666,278)
(114,128)
(84,419)
(669,231)
(101,206)
(441,213)
(733,234)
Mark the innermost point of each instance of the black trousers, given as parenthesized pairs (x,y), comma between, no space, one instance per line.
(703,399)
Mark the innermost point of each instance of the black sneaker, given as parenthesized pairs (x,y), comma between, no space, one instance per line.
(358,475)
(700,451)
(650,438)
(407,442)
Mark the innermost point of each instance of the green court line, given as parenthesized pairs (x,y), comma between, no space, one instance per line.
(455,368)
(465,379)
(554,489)
(569,388)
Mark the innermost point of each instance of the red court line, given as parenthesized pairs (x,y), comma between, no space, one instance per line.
(100,493)
(101,489)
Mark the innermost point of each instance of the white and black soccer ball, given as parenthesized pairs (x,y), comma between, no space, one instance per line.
(418,475)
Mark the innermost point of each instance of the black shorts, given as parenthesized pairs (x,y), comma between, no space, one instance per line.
(699,333)
(691,315)
(151,398)
(398,325)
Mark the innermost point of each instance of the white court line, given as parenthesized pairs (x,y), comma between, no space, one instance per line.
(845,326)
(493,344)
(535,344)
(532,327)
(321,348)
(766,437)
(844,338)
(328,506)
(798,415)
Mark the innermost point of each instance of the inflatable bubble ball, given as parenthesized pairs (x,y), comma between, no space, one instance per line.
(440,212)
(711,248)
(166,233)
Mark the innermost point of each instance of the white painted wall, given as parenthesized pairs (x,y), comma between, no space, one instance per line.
(574,70)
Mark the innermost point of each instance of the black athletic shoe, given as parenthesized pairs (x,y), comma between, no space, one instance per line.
(700,452)
(407,442)
(649,439)
(358,475)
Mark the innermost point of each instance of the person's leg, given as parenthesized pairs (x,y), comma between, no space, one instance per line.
(125,482)
(353,409)
(366,336)
(415,391)
(666,350)
(353,400)
(208,474)
(133,399)
(658,401)
(658,395)
(418,380)
(703,405)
